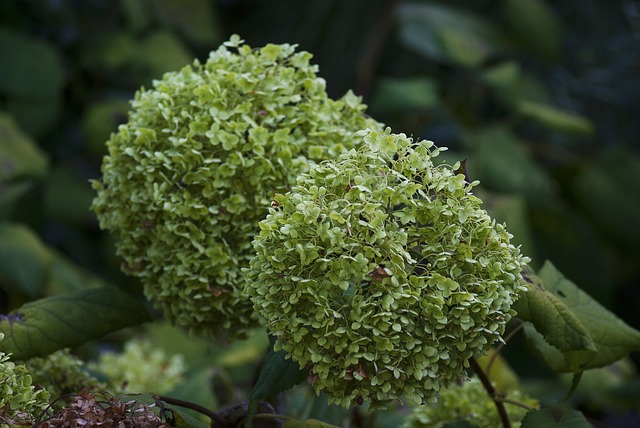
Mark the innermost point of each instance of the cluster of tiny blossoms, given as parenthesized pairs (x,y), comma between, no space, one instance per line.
(140,368)
(20,400)
(189,176)
(381,273)
(62,373)
(469,402)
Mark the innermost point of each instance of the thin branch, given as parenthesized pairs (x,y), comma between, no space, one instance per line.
(502,412)
(515,403)
(215,418)
(496,351)
(272,416)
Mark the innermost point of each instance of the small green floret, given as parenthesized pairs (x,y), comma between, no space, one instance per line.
(382,274)
(20,400)
(192,172)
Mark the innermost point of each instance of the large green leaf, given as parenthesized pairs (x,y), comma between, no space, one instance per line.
(565,236)
(504,164)
(34,68)
(445,34)
(100,120)
(194,18)
(35,115)
(278,374)
(535,25)
(307,423)
(68,320)
(404,95)
(19,155)
(24,260)
(613,338)
(68,197)
(9,194)
(609,189)
(556,119)
(558,325)
(162,52)
(544,418)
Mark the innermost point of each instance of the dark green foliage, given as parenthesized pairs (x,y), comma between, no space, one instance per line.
(68,320)
(539,96)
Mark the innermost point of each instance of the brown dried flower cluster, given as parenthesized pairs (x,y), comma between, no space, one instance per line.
(90,410)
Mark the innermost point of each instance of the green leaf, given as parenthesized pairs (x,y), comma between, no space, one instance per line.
(556,119)
(101,120)
(110,52)
(162,52)
(35,68)
(35,115)
(404,95)
(558,325)
(512,85)
(68,320)
(65,276)
(555,300)
(68,197)
(535,25)
(544,418)
(307,423)
(136,14)
(565,236)
(445,34)
(503,164)
(276,375)
(173,415)
(24,259)
(608,189)
(9,194)
(19,155)
(194,18)
(243,352)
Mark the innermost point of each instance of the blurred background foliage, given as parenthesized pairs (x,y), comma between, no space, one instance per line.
(540,97)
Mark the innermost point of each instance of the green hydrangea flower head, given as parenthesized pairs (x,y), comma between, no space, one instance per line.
(382,274)
(20,400)
(62,373)
(468,401)
(140,368)
(189,176)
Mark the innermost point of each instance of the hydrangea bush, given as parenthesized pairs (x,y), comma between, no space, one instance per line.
(191,173)
(382,274)
(20,400)
(468,401)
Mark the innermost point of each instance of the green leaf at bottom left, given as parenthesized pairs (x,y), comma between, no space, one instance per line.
(68,320)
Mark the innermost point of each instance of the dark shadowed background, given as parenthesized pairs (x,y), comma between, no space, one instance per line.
(540,96)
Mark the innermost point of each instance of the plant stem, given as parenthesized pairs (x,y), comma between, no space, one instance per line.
(216,420)
(491,391)
(516,403)
(496,351)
